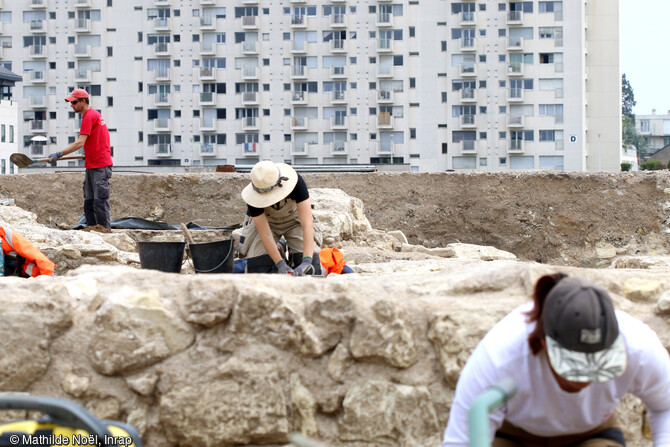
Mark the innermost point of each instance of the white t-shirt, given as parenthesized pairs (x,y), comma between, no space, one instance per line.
(540,406)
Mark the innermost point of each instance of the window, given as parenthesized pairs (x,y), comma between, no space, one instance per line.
(140,137)
(412,133)
(503,161)
(502,57)
(482,58)
(444,96)
(547,135)
(287,137)
(11,133)
(52,65)
(412,82)
(196,113)
(287,36)
(110,51)
(139,36)
(444,148)
(482,6)
(443,45)
(502,84)
(412,31)
(353,111)
(644,125)
(52,15)
(482,33)
(502,109)
(502,32)
(3,136)
(482,161)
(482,135)
(195,38)
(110,101)
(266,62)
(353,136)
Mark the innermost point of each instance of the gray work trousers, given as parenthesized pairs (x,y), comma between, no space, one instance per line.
(96,197)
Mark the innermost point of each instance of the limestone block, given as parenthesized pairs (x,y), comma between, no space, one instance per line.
(226,411)
(304,407)
(385,413)
(485,253)
(341,216)
(34,313)
(329,320)
(75,385)
(143,383)
(454,338)
(122,241)
(206,305)
(663,304)
(641,289)
(399,235)
(132,330)
(338,363)
(605,250)
(383,338)
(106,408)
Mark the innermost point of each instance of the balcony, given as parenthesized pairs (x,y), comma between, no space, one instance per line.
(207,23)
(515,43)
(208,149)
(468,147)
(249,22)
(82,75)
(338,72)
(515,69)
(299,123)
(162,124)
(468,121)
(385,148)
(299,72)
(162,24)
(515,122)
(207,2)
(250,47)
(338,21)
(384,121)
(82,3)
(38,102)
(250,73)
(163,150)
(82,51)
(338,148)
(515,95)
(298,21)
(208,49)
(207,125)
(37,150)
(161,49)
(207,99)
(299,97)
(384,97)
(38,26)
(468,95)
(249,149)
(250,98)
(384,19)
(162,74)
(162,2)
(338,97)
(250,2)
(298,1)
(338,46)
(468,70)
(384,46)
(38,4)
(299,47)
(38,126)
(207,74)
(515,18)
(467,18)
(384,71)
(302,149)
(38,51)
(468,44)
(38,77)
(250,123)
(160,100)
(82,26)
(338,122)
(515,147)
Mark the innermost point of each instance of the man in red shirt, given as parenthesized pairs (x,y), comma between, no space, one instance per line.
(94,138)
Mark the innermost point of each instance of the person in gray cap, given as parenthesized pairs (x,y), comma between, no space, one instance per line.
(573,357)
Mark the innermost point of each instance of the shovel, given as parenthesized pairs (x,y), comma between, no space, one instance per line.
(23,161)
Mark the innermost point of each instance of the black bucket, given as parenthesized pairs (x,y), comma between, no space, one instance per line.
(163,256)
(212,257)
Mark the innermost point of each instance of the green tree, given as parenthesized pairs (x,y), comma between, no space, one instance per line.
(627,98)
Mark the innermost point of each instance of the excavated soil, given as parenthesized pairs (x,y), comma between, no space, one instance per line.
(549,217)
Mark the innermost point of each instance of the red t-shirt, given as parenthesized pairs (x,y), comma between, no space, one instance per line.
(96,149)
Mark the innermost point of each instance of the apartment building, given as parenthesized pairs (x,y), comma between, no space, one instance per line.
(655,128)
(401,84)
(9,119)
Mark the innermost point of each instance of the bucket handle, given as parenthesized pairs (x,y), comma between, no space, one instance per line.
(230,251)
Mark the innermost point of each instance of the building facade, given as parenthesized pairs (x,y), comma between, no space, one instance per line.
(421,86)
(655,128)
(9,120)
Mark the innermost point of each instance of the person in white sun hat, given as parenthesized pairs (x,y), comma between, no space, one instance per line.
(573,357)
(278,205)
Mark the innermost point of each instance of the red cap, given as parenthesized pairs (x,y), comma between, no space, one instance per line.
(77,94)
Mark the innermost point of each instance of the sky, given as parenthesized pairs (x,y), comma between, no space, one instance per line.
(645,53)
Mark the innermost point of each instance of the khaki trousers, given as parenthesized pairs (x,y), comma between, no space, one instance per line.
(607,434)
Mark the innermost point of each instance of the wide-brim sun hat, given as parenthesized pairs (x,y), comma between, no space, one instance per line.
(270,183)
(582,333)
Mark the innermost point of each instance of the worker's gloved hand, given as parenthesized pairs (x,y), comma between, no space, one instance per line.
(54,157)
(305,267)
(282,267)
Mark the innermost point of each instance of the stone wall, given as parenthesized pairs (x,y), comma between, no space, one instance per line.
(223,360)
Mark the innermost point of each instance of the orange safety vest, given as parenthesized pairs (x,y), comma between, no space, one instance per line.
(332,260)
(36,263)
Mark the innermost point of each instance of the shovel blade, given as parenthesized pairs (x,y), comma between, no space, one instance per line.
(21,160)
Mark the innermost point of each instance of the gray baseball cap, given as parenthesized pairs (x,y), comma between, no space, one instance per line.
(582,333)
